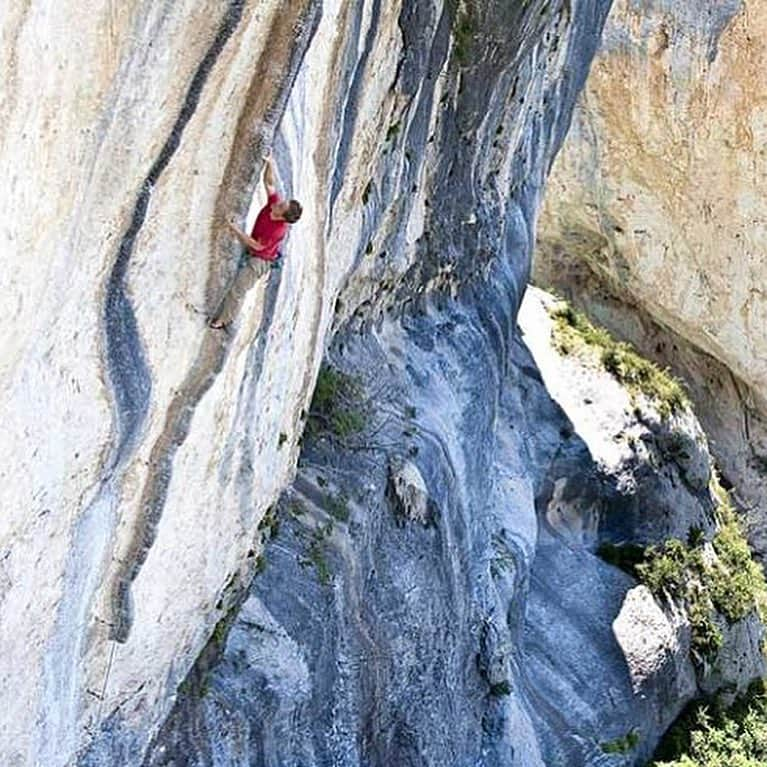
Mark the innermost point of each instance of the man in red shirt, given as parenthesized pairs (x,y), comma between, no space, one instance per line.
(262,246)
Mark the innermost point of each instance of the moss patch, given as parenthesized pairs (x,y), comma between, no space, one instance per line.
(576,335)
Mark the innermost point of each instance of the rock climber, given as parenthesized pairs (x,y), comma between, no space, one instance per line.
(262,247)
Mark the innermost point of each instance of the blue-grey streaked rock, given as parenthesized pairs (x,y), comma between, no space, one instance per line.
(493,635)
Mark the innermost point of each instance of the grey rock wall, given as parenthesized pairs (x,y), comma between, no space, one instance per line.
(492,634)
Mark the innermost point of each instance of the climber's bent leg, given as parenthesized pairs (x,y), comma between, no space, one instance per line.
(243,281)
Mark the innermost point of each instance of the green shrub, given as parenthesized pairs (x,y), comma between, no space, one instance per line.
(713,736)
(732,584)
(737,582)
(337,406)
(678,570)
(270,523)
(705,635)
(338,507)
(463,36)
(317,558)
(315,555)
(665,568)
(500,689)
(709,735)
(392,131)
(622,745)
(575,334)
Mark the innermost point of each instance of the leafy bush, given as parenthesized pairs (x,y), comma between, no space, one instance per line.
(705,635)
(677,570)
(574,334)
(337,405)
(712,736)
(732,584)
(665,568)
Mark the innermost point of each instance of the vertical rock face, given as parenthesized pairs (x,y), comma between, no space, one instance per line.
(143,450)
(656,216)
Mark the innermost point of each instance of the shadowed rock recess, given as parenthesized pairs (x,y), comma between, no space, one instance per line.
(203,564)
(655,214)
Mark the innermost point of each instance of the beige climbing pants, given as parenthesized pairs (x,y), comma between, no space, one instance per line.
(243,281)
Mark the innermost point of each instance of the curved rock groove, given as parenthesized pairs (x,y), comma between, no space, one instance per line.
(349,109)
(130,381)
(127,368)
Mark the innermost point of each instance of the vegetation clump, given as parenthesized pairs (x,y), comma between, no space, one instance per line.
(269,525)
(622,745)
(463,36)
(710,735)
(730,584)
(500,689)
(337,506)
(337,407)
(737,582)
(316,554)
(576,335)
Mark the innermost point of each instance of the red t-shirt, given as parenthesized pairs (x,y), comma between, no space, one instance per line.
(268,231)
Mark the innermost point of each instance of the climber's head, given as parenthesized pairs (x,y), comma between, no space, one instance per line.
(290,210)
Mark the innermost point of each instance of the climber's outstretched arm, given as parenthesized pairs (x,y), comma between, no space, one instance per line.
(270,175)
(248,242)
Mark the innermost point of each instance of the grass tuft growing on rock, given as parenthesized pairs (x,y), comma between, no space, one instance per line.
(315,555)
(622,745)
(574,334)
(463,36)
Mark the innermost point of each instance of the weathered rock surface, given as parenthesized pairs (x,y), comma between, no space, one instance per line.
(408,491)
(656,217)
(492,636)
(142,450)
